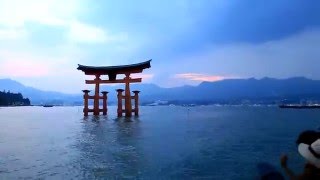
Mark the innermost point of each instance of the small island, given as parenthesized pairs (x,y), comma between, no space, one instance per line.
(13,99)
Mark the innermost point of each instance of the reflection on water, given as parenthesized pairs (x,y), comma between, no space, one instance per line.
(110,149)
(164,142)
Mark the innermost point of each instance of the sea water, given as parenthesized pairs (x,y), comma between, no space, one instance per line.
(164,142)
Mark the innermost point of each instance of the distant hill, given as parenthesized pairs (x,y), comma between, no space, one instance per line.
(266,90)
(37,96)
(13,99)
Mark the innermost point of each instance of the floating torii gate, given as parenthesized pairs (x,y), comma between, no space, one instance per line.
(112,72)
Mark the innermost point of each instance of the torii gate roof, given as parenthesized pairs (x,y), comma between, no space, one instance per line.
(114,70)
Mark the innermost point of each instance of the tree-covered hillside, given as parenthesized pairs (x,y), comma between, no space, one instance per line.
(13,99)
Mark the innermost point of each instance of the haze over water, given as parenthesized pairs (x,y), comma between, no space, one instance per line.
(164,142)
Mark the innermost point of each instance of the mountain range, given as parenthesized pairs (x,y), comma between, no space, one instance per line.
(37,96)
(230,91)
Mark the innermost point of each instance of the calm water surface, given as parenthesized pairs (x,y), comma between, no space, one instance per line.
(164,142)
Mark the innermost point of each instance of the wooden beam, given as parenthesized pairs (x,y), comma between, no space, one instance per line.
(135,80)
(133,71)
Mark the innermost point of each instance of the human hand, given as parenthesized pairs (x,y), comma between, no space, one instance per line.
(284,160)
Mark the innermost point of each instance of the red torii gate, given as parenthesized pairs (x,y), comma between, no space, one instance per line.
(112,72)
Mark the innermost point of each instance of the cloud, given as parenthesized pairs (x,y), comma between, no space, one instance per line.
(15,15)
(145,77)
(42,31)
(200,77)
(296,55)
(80,32)
(22,65)
(23,69)
(38,62)
(12,34)
(43,69)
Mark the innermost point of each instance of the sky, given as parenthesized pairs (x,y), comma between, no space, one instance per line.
(42,41)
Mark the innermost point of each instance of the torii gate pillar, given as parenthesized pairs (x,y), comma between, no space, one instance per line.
(128,106)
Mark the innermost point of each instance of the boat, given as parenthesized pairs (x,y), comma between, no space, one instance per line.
(47,105)
(300,106)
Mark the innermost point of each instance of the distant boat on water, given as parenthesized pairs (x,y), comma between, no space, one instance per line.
(47,105)
(300,106)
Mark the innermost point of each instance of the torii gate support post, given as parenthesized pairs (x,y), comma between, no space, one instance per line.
(85,102)
(96,110)
(120,97)
(104,98)
(136,102)
(128,105)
